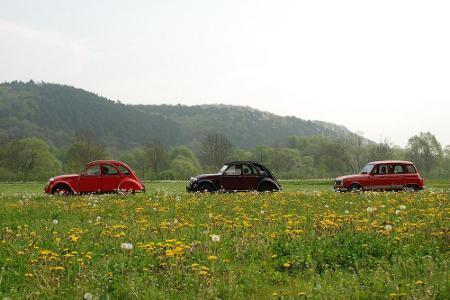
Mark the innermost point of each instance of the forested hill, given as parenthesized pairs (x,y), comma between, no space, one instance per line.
(57,113)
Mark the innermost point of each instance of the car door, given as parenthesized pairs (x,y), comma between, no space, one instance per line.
(249,178)
(397,176)
(110,178)
(230,180)
(89,180)
(380,178)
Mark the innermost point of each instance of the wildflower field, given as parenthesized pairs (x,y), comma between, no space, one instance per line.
(287,245)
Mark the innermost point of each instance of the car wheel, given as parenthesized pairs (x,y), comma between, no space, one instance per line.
(205,188)
(355,188)
(411,188)
(126,191)
(61,190)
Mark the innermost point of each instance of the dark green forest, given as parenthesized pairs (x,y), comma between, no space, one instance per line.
(47,129)
(57,113)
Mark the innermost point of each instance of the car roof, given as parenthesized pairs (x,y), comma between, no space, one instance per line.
(107,161)
(242,162)
(391,162)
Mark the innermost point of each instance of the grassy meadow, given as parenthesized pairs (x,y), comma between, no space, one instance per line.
(305,242)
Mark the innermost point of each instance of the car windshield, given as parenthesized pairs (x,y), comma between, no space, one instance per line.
(223,168)
(367,169)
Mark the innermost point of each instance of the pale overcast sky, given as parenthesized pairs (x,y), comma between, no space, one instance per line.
(381,68)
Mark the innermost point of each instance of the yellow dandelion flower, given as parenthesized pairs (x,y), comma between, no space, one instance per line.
(301,294)
(419,282)
(212,257)
(286,265)
(202,272)
(28,275)
(74,238)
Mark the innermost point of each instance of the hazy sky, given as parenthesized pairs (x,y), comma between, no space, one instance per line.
(381,68)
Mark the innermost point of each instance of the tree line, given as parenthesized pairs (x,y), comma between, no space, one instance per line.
(32,159)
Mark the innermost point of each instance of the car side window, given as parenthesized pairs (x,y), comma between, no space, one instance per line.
(248,170)
(410,169)
(261,170)
(109,170)
(397,169)
(382,169)
(233,170)
(124,170)
(92,171)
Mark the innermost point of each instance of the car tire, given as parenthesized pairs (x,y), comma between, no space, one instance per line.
(266,187)
(205,188)
(61,190)
(355,188)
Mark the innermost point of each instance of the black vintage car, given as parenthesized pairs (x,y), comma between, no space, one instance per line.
(236,176)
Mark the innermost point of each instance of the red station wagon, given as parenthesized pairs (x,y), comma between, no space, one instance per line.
(382,175)
(100,176)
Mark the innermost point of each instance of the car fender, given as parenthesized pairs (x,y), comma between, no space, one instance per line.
(200,182)
(354,182)
(268,180)
(65,182)
(129,184)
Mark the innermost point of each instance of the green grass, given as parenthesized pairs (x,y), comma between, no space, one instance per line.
(305,242)
(307,185)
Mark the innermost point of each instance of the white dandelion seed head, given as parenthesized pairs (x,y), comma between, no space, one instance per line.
(397,212)
(55,221)
(215,238)
(326,206)
(126,246)
(346,211)
(371,209)
(388,227)
(87,296)
(98,218)
(402,207)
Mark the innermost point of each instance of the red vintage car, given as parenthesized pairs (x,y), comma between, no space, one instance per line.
(100,176)
(389,175)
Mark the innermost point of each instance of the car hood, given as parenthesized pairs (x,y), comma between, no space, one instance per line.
(65,177)
(352,177)
(207,176)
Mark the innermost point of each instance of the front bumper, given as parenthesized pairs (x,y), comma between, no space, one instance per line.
(191,186)
(339,188)
(48,188)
